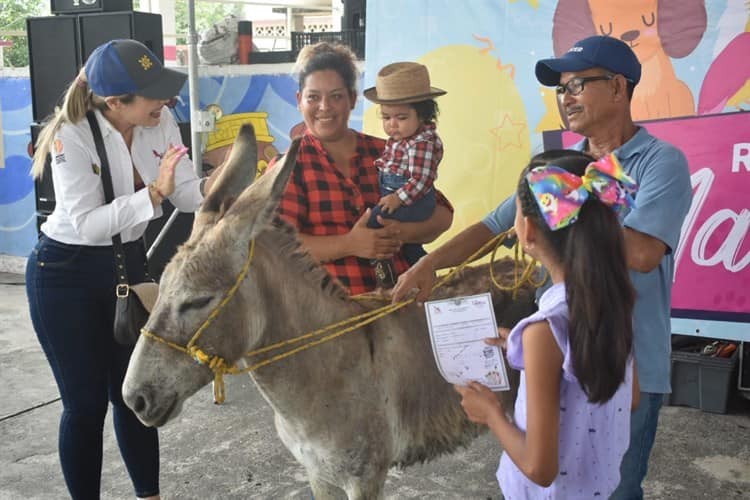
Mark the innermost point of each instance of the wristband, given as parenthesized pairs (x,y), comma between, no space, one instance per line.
(153,187)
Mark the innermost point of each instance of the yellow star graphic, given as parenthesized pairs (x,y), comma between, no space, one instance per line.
(509,133)
(145,62)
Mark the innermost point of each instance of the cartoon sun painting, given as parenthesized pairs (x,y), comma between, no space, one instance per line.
(485,129)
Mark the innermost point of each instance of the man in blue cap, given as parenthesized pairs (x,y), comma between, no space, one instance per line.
(594,81)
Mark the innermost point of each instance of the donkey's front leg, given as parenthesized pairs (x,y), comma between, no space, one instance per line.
(367,488)
(323,490)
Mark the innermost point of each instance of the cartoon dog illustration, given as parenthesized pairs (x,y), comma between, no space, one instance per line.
(655,29)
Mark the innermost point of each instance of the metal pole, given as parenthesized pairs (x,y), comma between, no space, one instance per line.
(193,89)
(162,233)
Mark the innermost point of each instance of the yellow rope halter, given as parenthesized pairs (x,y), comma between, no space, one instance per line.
(220,367)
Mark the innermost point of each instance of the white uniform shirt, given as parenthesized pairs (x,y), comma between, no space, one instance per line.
(81,216)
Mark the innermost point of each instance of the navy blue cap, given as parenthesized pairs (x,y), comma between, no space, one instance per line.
(605,52)
(122,67)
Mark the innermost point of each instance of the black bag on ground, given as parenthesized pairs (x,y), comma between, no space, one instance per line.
(134,302)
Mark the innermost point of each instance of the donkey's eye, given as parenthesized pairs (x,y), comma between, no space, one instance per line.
(194,304)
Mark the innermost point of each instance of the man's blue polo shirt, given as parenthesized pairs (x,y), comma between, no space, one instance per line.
(662,202)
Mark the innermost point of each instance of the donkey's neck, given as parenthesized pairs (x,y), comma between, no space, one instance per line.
(298,298)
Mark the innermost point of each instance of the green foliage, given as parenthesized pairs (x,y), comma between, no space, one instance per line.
(206,14)
(13,14)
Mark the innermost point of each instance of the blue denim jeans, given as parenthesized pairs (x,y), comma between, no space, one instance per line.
(643,423)
(418,211)
(71,293)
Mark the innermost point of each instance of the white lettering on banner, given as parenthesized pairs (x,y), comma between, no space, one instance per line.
(703,178)
(741,154)
(727,253)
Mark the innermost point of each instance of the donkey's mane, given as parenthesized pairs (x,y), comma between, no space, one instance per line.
(282,236)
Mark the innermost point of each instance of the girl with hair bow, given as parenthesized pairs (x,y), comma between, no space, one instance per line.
(571,426)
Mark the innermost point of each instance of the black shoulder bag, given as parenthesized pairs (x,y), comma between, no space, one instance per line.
(131,312)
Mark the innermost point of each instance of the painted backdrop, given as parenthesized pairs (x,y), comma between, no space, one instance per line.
(695,62)
(694,55)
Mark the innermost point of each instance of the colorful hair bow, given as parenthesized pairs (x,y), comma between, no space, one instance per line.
(561,194)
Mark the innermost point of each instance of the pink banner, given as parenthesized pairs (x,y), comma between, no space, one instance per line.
(712,278)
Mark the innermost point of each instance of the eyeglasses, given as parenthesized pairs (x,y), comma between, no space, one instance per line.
(574,86)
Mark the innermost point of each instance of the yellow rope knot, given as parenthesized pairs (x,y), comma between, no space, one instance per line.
(218,365)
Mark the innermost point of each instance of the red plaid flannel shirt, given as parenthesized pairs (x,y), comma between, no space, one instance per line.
(320,201)
(416,157)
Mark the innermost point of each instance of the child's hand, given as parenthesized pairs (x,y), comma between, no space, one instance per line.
(479,403)
(389,203)
(501,340)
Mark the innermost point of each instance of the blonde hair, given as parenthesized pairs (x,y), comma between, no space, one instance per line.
(79,99)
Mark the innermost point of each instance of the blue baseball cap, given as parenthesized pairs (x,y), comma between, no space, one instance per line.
(605,52)
(121,67)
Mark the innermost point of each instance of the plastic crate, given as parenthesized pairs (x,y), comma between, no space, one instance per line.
(703,382)
(743,377)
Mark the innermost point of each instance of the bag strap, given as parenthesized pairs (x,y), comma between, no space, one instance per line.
(123,287)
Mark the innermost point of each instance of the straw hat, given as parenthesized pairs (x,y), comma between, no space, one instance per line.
(402,83)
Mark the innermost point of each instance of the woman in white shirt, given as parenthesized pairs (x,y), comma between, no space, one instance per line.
(70,275)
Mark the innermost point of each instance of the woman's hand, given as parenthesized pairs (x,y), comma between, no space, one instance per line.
(480,404)
(371,243)
(165,181)
(389,203)
(420,276)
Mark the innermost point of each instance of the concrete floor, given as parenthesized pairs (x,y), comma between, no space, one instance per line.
(232,452)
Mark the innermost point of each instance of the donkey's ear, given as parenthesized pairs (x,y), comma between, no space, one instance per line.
(237,172)
(256,207)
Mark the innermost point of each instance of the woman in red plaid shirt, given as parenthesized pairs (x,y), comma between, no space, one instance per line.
(407,168)
(335,185)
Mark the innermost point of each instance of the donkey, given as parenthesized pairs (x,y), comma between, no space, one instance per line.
(347,409)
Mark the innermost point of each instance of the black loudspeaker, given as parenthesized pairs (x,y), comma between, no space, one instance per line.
(354,14)
(59,45)
(80,6)
(54,60)
(96,29)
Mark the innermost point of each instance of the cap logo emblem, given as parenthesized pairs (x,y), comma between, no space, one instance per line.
(145,62)
(576,49)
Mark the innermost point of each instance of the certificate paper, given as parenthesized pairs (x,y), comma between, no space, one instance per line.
(458,328)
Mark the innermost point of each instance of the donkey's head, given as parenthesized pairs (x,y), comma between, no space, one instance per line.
(201,307)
